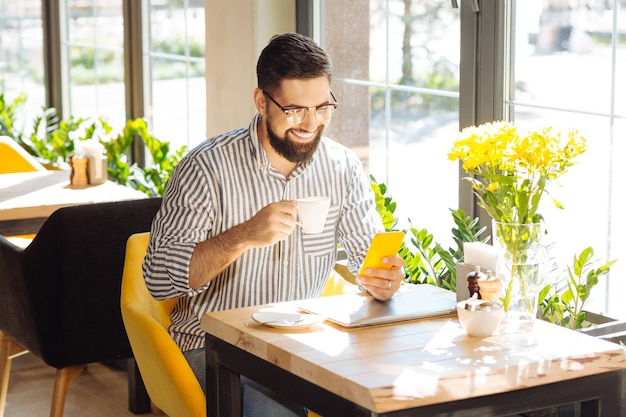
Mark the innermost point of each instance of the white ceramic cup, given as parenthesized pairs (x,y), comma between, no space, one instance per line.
(480,323)
(312,212)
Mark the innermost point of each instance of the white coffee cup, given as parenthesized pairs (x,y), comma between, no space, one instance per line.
(312,212)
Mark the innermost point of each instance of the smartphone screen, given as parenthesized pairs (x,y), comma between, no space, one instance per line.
(384,244)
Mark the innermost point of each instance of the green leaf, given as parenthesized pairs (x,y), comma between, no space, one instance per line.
(557,203)
(586,255)
(567,296)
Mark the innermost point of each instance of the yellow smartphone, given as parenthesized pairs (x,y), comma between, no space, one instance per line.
(383,244)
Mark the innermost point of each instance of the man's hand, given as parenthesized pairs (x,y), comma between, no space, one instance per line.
(271,224)
(383,283)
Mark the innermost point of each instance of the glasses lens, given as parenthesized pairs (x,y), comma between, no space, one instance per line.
(296,116)
(324,112)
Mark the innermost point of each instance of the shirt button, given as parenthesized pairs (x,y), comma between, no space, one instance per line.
(285,263)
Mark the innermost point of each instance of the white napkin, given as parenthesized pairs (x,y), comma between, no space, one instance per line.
(480,254)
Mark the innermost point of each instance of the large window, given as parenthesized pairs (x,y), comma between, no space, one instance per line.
(537,63)
(174,52)
(408,75)
(568,69)
(109,59)
(396,74)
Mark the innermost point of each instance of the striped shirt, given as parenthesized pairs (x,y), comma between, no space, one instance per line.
(225,181)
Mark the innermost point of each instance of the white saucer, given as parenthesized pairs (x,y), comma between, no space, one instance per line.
(287,320)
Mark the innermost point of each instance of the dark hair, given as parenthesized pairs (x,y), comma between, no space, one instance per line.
(291,56)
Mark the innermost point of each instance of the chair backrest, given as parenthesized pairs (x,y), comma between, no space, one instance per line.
(13,158)
(60,295)
(170,382)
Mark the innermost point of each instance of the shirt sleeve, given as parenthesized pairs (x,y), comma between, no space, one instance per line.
(185,218)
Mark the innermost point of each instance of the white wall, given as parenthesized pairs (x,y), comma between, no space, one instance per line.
(236,32)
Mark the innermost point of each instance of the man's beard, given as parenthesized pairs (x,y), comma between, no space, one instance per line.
(291,150)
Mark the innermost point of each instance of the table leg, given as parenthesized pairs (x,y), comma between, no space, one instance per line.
(223,396)
(590,408)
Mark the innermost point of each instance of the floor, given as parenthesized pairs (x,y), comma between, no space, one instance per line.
(100,391)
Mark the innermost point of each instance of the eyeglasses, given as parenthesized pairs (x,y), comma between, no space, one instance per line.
(297,115)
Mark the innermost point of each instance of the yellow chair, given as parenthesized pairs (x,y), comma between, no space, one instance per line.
(170,382)
(13,158)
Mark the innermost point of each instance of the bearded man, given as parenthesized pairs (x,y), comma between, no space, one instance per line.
(227,236)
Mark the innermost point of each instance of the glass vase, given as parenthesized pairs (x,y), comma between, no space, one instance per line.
(523,267)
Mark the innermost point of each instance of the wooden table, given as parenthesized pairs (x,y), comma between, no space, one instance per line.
(415,368)
(28,198)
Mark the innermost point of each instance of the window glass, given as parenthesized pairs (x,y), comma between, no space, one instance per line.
(176,101)
(568,68)
(93,82)
(21,58)
(396,75)
(620,63)
(95,52)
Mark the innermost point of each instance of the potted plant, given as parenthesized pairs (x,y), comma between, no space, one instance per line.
(52,141)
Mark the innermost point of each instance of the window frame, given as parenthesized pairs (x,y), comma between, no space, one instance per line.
(481,90)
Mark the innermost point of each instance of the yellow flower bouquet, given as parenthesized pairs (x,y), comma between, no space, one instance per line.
(509,173)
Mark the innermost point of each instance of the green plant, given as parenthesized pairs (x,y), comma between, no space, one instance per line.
(426,261)
(430,262)
(564,303)
(384,204)
(8,111)
(52,142)
(427,264)
(151,179)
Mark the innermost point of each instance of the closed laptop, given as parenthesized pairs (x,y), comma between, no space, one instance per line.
(409,303)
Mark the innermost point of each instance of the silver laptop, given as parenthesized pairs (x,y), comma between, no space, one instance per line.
(361,309)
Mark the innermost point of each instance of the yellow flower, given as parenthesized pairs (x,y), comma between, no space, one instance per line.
(509,172)
(492,187)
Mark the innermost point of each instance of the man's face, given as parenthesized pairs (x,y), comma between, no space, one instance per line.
(297,142)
